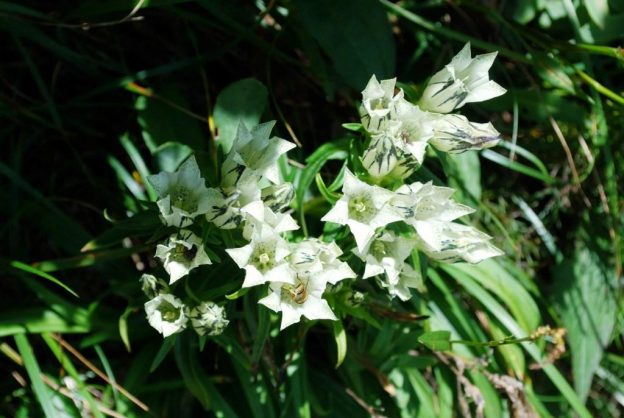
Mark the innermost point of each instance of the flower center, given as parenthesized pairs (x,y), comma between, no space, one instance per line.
(361,208)
(378,249)
(182,198)
(263,257)
(168,312)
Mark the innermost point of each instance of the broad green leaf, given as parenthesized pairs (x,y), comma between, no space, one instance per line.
(466,173)
(242,101)
(355,34)
(436,340)
(495,278)
(587,302)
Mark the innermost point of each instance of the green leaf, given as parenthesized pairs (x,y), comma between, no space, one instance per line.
(588,306)
(355,34)
(36,272)
(242,101)
(165,348)
(34,373)
(436,340)
(330,196)
(340,337)
(465,171)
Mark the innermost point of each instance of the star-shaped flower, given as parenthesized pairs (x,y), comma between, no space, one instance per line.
(463,80)
(378,101)
(386,254)
(183,252)
(254,150)
(183,194)
(230,207)
(165,313)
(264,258)
(363,208)
(409,278)
(303,297)
(320,259)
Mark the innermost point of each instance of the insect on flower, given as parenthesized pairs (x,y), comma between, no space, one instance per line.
(299,293)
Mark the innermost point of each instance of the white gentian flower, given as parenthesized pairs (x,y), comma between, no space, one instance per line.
(264,258)
(378,100)
(230,207)
(320,259)
(385,155)
(183,252)
(165,313)
(363,208)
(208,318)
(386,254)
(456,134)
(278,197)
(450,242)
(152,286)
(408,279)
(183,194)
(463,80)
(419,203)
(303,297)
(254,150)
(279,222)
(415,130)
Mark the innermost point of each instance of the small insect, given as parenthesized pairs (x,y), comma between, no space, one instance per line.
(190,253)
(299,294)
(187,253)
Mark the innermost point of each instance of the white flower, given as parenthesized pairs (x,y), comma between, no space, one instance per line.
(408,278)
(208,318)
(415,130)
(183,194)
(152,286)
(363,208)
(183,252)
(320,259)
(256,151)
(418,203)
(386,253)
(456,134)
(303,297)
(165,313)
(277,221)
(463,80)
(385,156)
(278,197)
(450,242)
(378,101)
(230,207)
(264,258)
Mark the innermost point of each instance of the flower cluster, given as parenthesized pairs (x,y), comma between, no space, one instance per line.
(391,220)
(399,133)
(168,315)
